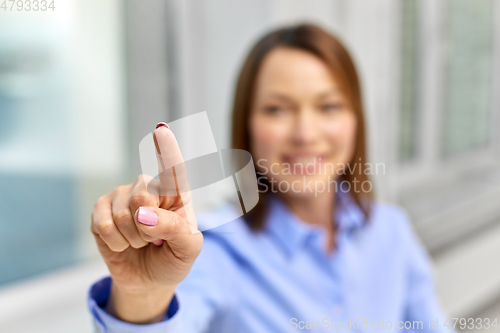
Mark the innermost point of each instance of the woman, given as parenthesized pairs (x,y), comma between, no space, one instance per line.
(308,256)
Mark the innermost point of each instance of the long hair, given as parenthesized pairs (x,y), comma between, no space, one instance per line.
(329,49)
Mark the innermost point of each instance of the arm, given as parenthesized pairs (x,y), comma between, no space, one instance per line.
(198,298)
(104,322)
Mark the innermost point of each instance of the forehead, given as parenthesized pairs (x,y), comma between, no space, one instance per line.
(294,70)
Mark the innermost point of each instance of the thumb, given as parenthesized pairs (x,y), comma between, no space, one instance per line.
(163,224)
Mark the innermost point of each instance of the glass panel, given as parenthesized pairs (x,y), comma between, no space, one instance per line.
(469,77)
(409,80)
(37,191)
(58,136)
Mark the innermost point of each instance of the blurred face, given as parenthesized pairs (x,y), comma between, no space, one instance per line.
(302,126)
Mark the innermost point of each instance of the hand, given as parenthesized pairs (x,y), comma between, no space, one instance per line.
(129,220)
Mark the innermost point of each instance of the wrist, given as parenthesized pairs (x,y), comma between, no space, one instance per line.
(139,307)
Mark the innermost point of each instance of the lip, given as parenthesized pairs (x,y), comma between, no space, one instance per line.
(310,161)
(298,155)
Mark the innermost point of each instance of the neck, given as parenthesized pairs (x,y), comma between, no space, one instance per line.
(316,210)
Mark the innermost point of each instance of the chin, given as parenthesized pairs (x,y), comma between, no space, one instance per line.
(304,186)
(305,196)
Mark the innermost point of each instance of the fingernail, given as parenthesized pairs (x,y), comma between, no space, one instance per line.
(147,216)
(158,242)
(162,124)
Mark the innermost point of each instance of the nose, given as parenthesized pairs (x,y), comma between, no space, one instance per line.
(306,129)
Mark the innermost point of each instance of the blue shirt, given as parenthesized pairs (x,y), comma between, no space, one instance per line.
(281,279)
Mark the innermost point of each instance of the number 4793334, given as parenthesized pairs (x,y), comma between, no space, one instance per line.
(28,5)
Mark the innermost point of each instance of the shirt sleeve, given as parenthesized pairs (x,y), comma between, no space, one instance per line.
(105,323)
(422,301)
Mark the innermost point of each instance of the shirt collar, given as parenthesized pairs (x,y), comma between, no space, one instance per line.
(292,232)
(348,214)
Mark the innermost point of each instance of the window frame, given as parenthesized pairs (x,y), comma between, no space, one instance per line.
(418,177)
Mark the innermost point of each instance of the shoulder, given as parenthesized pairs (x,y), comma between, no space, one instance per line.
(390,227)
(395,221)
(389,211)
(391,216)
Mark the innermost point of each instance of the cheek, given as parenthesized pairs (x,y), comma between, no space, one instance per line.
(342,134)
(266,138)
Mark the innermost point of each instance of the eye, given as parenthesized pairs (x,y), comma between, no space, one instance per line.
(274,110)
(332,107)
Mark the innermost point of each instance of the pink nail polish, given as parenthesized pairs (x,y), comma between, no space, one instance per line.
(158,242)
(162,124)
(147,216)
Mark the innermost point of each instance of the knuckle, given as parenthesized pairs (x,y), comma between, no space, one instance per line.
(125,188)
(123,217)
(141,198)
(145,181)
(101,201)
(106,229)
(141,194)
(100,204)
(141,180)
(119,190)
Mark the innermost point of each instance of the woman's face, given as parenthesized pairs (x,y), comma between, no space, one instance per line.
(303,128)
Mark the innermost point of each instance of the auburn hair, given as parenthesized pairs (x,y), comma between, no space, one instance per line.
(329,49)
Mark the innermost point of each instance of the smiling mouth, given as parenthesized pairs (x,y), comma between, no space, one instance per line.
(305,164)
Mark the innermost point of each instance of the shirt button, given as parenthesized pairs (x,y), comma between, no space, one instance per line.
(337,310)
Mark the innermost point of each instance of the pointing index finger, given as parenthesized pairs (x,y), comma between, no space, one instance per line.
(171,168)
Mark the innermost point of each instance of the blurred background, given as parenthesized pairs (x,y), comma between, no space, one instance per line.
(82,83)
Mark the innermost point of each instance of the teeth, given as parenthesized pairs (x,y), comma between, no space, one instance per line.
(304,160)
